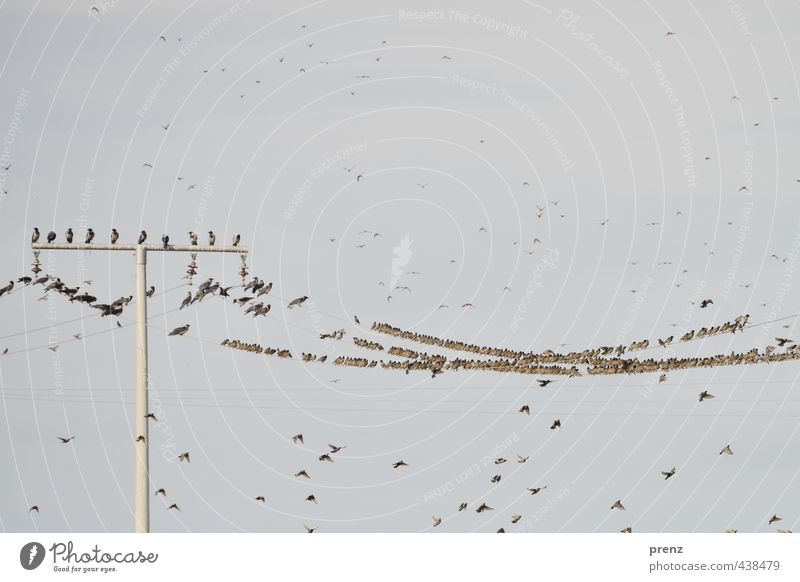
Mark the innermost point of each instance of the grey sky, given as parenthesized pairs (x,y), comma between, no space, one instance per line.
(590,104)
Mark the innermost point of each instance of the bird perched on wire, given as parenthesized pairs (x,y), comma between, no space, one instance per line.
(114,236)
(193,238)
(35,235)
(165,240)
(212,238)
(180,330)
(142,237)
(51,236)
(68,235)
(236,239)
(298,301)
(89,236)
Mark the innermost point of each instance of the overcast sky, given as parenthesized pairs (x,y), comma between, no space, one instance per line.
(529,120)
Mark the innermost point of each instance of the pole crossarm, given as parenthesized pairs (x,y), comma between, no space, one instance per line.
(132,248)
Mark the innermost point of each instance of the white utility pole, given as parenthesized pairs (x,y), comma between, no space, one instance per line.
(142,425)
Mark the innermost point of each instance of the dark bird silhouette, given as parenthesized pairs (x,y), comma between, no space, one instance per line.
(184,457)
(544,383)
(150,291)
(335,449)
(526,409)
(236,239)
(35,235)
(142,237)
(326,457)
(298,301)
(298,438)
(180,330)
(483,507)
(174,506)
(162,492)
(668,474)
(212,238)
(773,519)
(51,236)
(311,498)
(34,508)
(151,416)
(186,300)
(165,240)
(114,236)
(261,499)
(65,440)
(302,473)
(399,464)
(69,235)
(705,395)
(705,303)
(556,424)
(193,238)
(618,505)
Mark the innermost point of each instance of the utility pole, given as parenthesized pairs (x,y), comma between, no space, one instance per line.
(142,506)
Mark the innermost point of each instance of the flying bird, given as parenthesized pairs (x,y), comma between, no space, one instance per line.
(184,457)
(668,474)
(65,440)
(618,505)
(311,498)
(543,383)
(773,519)
(298,438)
(174,506)
(399,464)
(34,508)
(436,521)
(704,395)
(162,492)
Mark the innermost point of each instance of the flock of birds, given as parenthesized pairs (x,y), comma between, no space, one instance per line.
(601,360)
